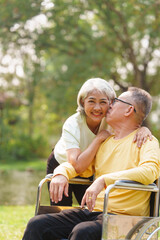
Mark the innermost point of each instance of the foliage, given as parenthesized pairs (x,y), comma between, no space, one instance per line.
(50,47)
(23,147)
(112,39)
(15,144)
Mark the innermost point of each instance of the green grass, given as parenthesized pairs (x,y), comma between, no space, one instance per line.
(13,220)
(24,165)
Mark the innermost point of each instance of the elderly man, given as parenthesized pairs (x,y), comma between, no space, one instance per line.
(117,158)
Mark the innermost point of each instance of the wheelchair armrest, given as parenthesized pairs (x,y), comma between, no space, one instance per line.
(48,178)
(135,185)
(83,181)
(128,185)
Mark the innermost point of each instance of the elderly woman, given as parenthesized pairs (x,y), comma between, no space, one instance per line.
(84,131)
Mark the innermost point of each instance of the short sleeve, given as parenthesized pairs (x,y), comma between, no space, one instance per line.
(71,134)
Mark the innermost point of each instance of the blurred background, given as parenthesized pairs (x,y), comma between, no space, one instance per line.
(47,50)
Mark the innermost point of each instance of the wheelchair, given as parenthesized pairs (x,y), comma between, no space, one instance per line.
(117,226)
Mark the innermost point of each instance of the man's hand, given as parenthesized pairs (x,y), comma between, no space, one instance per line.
(58,185)
(91,193)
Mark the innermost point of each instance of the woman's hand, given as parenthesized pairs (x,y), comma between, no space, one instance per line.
(103,135)
(58,185)
(141,136)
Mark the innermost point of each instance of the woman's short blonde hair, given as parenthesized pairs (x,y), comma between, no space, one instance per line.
(98,84)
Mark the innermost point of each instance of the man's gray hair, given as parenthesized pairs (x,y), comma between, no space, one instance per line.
(142,101)
(98,84)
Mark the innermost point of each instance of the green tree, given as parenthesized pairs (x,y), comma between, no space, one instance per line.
(54,46)
(115,40)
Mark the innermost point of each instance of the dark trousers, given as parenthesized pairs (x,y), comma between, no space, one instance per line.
(73,224)
(78,190)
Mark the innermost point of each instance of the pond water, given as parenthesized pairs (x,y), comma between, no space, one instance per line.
(20,188)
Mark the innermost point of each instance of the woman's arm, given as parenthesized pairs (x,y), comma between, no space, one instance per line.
(81,160)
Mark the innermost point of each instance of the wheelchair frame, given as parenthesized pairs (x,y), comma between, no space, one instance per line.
(143,228)
(140,229)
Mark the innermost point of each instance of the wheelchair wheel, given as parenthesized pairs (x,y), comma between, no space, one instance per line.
(149,230)
(135,230)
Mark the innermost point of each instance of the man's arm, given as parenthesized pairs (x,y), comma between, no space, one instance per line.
(147,172)
(148,169)
(59,182)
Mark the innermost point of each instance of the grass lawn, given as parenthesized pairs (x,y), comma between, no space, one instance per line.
(38,165)
(13,220)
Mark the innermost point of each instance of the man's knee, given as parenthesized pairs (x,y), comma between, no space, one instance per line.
(86,231)
(34,224)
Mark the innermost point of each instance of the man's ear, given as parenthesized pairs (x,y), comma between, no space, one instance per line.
(129,111)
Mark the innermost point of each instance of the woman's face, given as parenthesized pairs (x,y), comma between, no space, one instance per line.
(95,106)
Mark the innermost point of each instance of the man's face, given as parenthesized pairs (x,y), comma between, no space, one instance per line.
(117,109)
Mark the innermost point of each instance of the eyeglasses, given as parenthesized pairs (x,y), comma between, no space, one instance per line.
(119,100)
